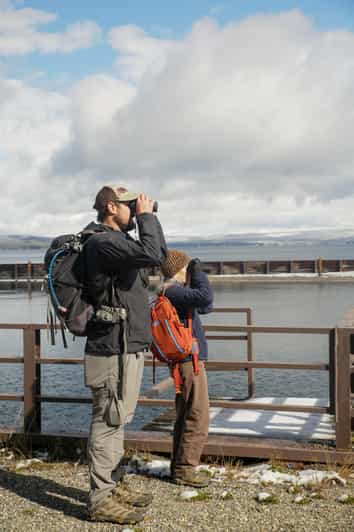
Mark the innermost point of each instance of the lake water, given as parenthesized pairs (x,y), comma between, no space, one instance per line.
(286,304)
(225,252)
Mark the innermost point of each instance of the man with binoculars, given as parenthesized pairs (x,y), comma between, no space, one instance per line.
(117,338)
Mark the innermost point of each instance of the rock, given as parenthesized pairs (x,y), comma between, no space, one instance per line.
(299,499)
(226,495)
(264,496)
(343,498)
(188,494)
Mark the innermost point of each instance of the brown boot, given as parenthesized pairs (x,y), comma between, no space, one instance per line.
(190,478)
(126,495)
(113,511)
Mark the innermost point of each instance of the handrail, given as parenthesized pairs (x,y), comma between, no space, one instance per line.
(211,365)
(339,367)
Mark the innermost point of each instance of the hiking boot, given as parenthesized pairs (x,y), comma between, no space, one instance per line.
(190,478)
(113,511)
(126,495)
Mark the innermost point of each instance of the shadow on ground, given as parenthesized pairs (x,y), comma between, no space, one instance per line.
(48,493)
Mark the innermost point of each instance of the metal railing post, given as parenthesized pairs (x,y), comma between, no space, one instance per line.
(31,380)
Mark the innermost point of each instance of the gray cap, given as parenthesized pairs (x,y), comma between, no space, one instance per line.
(124,195)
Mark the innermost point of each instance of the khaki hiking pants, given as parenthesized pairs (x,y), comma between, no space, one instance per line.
(192,419)
(115,385)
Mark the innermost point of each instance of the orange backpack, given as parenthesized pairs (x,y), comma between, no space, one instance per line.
(172,342)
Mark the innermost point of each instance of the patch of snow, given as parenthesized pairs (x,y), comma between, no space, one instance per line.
(312,476)
(155,468)
(188,494)
(10,456)
(27,463)
(257,474)
(214,471)
(263,474)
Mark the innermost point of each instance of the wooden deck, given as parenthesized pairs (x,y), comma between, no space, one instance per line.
(296,426)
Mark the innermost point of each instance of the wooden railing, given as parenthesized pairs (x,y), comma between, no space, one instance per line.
(339,365)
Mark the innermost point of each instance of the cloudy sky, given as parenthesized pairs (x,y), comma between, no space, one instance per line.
(236,116)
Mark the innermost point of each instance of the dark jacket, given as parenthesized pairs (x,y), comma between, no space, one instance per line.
(198,299)
(115,276)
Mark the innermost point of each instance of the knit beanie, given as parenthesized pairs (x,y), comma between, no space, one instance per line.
(174,262)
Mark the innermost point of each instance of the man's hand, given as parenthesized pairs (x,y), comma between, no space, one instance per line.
(144,204)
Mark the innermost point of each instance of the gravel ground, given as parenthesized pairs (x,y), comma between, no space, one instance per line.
(52,496)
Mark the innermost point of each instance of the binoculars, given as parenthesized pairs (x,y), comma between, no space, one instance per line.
(132,207)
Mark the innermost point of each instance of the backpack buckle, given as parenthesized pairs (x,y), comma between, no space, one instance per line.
(111,314)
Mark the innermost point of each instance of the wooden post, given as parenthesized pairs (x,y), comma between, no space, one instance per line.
(29,278)
(250,357)
(343,400)
(267,267)
(16,276)
(32,380)
(320,266)
(332,371)
(352,374)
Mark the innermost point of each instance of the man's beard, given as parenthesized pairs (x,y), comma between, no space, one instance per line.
(130,226)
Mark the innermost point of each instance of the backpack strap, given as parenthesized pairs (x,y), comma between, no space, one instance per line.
(177,378)
(62,328)
(195,356)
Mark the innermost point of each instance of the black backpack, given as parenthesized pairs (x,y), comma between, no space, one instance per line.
(64,265)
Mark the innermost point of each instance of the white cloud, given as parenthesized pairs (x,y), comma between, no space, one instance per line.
(263,107)
(243,127)
(34,123)
(139,53)
(21,33)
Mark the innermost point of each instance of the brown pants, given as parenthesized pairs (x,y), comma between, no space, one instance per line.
(192,419)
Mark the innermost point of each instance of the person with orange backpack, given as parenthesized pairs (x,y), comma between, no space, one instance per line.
(188,289)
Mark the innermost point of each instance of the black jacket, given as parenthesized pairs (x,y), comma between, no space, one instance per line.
(198,299)
(114,257)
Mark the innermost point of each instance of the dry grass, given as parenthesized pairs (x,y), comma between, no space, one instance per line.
(279,466)
(202,496)
(345,471)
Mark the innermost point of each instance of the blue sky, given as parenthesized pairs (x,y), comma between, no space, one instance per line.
(160,18)
(179,16)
